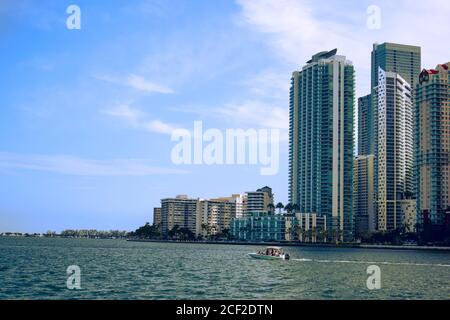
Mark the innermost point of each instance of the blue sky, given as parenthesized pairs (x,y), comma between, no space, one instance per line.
(86,115)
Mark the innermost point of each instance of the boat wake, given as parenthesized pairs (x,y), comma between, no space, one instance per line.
(375,262)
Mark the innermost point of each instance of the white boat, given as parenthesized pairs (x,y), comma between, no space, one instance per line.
(270,253)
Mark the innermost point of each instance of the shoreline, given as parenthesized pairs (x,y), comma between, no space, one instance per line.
(279,244)
(314,245)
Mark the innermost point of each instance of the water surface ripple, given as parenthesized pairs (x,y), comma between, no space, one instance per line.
(35,268)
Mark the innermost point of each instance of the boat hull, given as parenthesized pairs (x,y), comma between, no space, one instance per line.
(265,257)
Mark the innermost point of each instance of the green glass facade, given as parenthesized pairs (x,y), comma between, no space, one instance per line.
(398,58)
(365,126)
(322,140)
(263,226)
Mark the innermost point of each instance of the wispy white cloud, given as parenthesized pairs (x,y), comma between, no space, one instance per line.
(125,112)
(297,29)
(269,83)
(136,82)
(288,24)
(160,127)
(76,166)
(248,114)
(138,119)
(257,114)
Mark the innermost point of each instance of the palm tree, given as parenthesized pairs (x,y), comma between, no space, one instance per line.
(270,207)
(205,228)
(299,230)
(337,234)
(288,234)
(279,206)
(307,235)
(226,233)
(213,229)
(324,235)
(295,208)
(175,231)
(319,235)
(314,234)
(288,208)
(341,235)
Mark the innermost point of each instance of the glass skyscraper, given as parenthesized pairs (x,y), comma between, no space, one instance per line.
(321,141)
(399,58)
(402,59)
(365,126)
(392,57)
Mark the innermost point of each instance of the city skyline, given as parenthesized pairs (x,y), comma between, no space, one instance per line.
(77,134)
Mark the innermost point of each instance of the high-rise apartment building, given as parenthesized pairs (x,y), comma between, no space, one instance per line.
(394,149)
(432,122)
(405,61)
(217,213)
(157,216)
(363,195)
(321,140)
(237,200)
(399,58)
(200,216)
(258,201)
(182,212)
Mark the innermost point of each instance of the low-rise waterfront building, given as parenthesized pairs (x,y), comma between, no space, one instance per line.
(310,227)
(260,226)
(263,226)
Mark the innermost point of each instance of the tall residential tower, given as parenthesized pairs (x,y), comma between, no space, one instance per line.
(405,62)
(432,119)
(365,126)
(399,58)
(321,140)
(393,149)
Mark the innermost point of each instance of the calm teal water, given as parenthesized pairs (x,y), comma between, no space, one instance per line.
(116,269)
